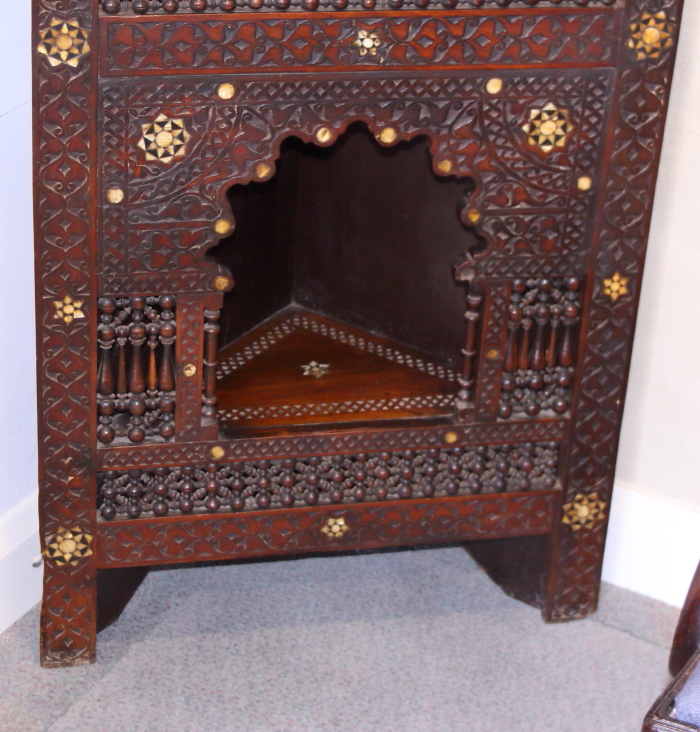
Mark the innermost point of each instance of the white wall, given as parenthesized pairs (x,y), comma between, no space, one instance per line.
(20,582)
(660,447)
(654,538)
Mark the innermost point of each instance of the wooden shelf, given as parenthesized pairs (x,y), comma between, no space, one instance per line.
(262,380)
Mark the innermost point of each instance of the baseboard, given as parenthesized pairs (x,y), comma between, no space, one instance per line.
(20,567)
(653,545)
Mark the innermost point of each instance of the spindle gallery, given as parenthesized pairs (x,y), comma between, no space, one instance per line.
(329,275)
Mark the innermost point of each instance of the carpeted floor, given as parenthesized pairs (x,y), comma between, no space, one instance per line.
(415,641)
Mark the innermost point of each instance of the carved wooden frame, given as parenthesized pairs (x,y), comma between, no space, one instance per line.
(68,203)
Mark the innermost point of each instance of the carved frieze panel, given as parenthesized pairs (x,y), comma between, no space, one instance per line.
(529,206)
(324,443)
(155,45)
(393,524)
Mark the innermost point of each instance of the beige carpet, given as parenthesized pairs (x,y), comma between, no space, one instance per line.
(415,641)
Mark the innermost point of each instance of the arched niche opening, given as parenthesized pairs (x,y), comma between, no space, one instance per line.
(343,259)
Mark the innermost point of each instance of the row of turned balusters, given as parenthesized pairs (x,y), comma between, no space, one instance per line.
(199,6)
(544,304)
(136,377)
(538,364)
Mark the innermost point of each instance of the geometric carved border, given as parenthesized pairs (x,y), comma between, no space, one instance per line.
(302,530)
(325,443)
(619,246)
(166,222)
(323,42)
(64,155)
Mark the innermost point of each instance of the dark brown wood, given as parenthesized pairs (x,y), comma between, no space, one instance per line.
(146,542)
(684,658)
(686,641)
(268,378)
(115,587)
(517,565)
(459,193)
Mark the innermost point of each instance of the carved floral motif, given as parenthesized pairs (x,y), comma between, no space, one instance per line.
(164,139)
(548,127)
(63,42)
(650,35)
(68,546)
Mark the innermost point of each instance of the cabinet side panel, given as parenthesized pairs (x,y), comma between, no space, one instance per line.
(645,68)
(64,215)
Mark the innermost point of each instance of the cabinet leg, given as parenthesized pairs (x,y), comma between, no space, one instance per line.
(518,566)
(68,613)
(115,587)
(560,573)
(575,569)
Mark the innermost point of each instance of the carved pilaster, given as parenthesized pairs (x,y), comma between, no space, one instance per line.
(619,247)
(64,147)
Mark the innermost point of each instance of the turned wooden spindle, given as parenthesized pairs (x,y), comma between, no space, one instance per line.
(570,316)
(538,357)
(211,344)
(212,502)
(166,375)
(106,334)
(152,330)
(510,361)
(526,324)
(137,383)
(566,348)
(122,340)
(472,317)
(137,337)
(555,312)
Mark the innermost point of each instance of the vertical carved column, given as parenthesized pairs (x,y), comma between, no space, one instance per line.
(493,346)
(619,246)
(64,139)
(190,322)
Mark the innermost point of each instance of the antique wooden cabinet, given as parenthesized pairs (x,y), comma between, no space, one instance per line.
(320,275)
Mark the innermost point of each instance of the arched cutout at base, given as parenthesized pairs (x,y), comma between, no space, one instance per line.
(366,236)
